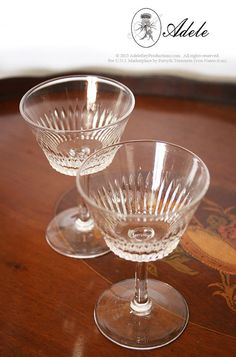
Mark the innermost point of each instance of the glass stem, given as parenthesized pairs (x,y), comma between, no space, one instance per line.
(84,222)
(84,214)
(141,304)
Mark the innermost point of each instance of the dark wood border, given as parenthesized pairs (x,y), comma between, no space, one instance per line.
(166,86)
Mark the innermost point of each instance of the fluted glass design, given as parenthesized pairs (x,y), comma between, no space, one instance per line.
(72,117)
(157,216)
(143,212)
(75,117)
(142,194)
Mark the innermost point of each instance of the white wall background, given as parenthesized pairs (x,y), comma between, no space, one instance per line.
(47,36)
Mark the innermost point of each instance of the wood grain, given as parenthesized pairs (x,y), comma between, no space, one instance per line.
(155,84)
(47,300)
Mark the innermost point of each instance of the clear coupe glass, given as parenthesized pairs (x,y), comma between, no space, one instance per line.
(71,117)
(143,198)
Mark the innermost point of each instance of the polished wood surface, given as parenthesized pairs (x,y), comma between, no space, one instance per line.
(47,300)
(161,85)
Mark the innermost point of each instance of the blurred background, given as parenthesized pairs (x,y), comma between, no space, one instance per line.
(50,37)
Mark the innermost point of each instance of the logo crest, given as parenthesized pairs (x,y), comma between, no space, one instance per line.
(146,27)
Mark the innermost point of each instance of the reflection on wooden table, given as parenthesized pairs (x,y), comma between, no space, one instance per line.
(47,300)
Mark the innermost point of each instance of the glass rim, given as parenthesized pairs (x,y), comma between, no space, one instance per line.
(138,215)
(82,77)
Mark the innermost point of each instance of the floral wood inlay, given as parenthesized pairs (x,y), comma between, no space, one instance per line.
(214,244)
(226,289)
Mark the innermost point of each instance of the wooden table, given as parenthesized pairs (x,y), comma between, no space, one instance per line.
(47,300)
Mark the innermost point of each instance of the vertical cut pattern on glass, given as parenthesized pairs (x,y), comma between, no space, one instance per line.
(146,224)
(67,150)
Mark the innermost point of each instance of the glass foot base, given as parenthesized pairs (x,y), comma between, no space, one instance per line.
(166,321)
(64,236)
